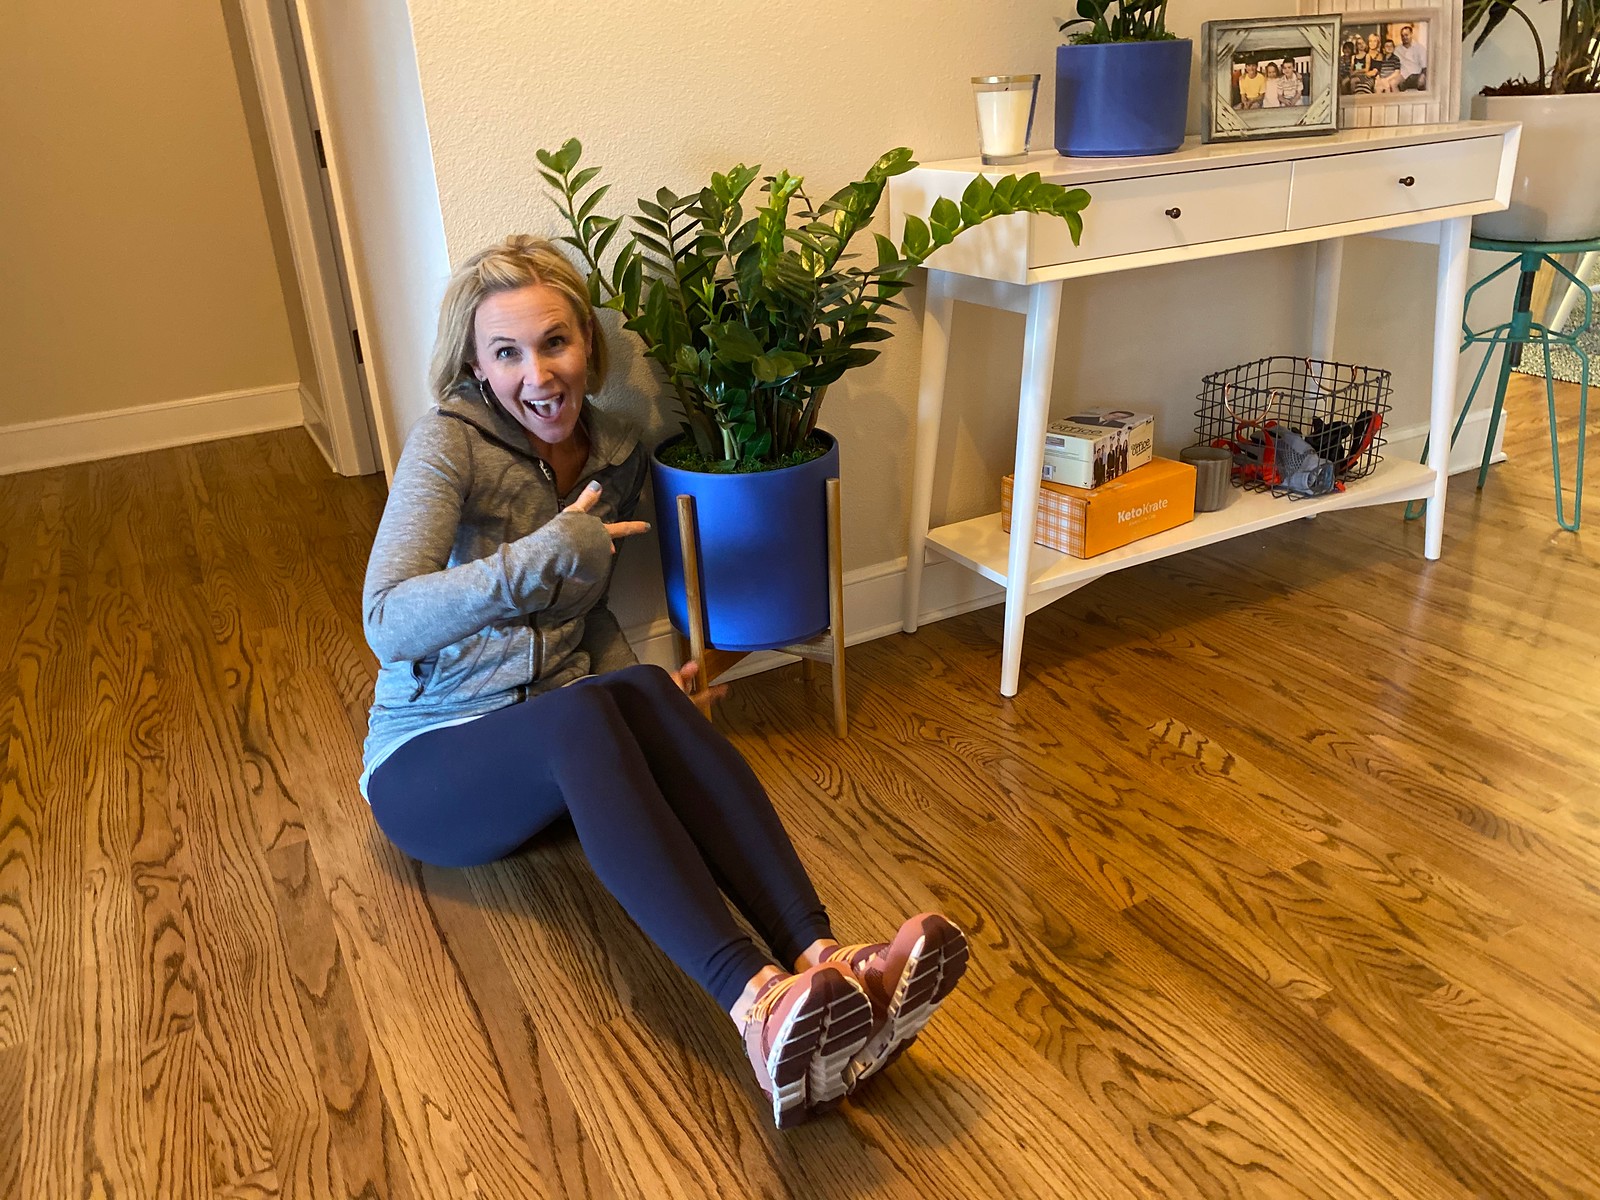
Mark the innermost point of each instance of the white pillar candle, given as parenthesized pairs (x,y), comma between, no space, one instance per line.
(1003,121)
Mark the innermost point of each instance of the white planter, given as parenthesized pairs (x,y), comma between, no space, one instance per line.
(1555,196)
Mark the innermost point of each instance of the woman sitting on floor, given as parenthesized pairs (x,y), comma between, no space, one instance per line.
(507,695)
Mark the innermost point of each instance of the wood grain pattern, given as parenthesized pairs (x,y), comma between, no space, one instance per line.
(1282,873)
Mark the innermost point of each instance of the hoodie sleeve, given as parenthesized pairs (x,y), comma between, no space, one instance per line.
(413,605)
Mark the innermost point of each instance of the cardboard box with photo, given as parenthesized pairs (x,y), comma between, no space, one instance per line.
(1269,77)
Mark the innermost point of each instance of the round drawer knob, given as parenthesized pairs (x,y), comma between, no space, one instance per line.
(1174,213)
(1407,180)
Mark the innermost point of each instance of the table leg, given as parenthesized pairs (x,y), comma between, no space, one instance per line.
(1325,297)
(930,404)
(1033,414)
(1455,236)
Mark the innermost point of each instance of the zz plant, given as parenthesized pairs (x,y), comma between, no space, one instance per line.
(1118,21)
(751,310)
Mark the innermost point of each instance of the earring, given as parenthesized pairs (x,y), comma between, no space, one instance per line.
(483,390)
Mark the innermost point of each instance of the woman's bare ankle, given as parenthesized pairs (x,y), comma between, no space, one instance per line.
(813,954)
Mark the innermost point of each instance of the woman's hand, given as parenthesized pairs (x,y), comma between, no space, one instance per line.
(684,677)
(588,498)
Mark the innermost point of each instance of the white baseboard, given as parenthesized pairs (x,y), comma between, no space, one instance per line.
(1406,443)
(872,595)
(90,436)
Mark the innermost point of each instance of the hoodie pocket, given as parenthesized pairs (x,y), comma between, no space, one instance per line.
(470,667)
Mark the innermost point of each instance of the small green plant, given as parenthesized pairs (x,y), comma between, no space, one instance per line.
(1118,21)
(1577,62)
(751,314)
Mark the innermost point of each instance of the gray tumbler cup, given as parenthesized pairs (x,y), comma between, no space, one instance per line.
(1213,467)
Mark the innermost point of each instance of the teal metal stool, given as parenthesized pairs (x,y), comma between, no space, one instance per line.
(1520,331)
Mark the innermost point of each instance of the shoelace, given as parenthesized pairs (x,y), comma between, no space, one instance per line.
(768,1000)
(846,956)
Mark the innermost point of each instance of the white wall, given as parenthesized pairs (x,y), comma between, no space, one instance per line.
(364,73)
(662,95)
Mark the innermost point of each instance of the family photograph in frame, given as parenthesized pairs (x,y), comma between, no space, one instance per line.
(1415,82)
(1269,77)
(1384,56)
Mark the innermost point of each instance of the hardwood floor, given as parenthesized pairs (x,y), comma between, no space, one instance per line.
(1282,874)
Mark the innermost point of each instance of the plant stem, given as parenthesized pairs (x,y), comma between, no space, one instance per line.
(1538,44)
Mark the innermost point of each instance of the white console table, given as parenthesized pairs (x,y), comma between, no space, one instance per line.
(1421,182)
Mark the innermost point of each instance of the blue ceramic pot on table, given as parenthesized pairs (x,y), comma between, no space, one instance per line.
(763,550)
(1118,99)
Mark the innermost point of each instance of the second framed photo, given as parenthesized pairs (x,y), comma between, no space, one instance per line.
(1269,77)
(1398,65)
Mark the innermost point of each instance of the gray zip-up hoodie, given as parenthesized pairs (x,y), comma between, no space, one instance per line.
(480,590)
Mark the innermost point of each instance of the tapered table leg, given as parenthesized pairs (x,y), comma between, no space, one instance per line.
(930,403)
(1455,236)
(1033,414)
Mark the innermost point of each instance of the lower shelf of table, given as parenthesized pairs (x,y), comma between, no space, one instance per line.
(984,547)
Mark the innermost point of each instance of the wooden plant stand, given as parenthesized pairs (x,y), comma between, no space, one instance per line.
(827,646)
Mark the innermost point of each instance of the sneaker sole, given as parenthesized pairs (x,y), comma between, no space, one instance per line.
(931,974)
(814,1049)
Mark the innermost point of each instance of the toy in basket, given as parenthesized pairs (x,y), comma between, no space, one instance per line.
(1296,426)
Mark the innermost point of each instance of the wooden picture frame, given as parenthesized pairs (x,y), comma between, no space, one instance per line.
(1241,96)
(1441,100)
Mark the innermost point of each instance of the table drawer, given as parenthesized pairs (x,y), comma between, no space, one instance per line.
(1352,187)
(1128,216)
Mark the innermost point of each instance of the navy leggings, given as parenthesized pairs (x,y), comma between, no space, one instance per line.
(666,809)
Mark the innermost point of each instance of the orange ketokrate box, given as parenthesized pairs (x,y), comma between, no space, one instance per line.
(1084,522)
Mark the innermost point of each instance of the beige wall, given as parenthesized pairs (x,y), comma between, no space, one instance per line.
(135,252)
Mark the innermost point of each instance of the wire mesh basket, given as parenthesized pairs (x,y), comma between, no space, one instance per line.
(1296,426)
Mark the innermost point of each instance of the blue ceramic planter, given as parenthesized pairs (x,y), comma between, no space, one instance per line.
(763,550)
(1122,98)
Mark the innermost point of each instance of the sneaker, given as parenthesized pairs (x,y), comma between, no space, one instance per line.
(906,980)
(801,1033)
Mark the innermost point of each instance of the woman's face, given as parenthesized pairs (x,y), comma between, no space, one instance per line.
(1372,43)
(1272,70)
(533,352)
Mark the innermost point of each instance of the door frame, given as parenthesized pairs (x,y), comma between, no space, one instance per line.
(291,135)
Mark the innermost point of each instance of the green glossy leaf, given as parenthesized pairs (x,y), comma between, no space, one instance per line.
(653,244)
(632,281)
(946,212)
(567,157)
(916,241)
(976,197)
(734,342)
(604,238)
(588,205)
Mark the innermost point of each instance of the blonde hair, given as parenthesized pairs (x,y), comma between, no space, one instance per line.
(520,261)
